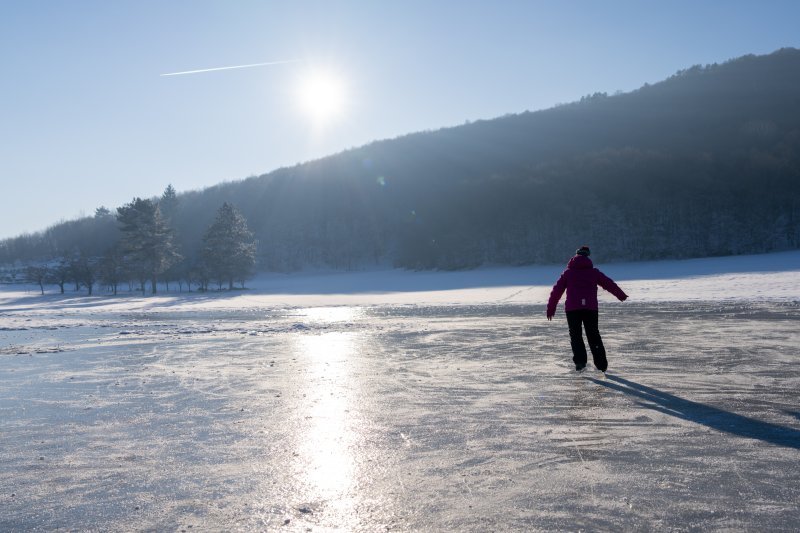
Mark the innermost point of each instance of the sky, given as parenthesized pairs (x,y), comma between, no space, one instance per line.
(87,118)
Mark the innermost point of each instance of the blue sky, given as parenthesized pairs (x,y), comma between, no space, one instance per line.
(87,120)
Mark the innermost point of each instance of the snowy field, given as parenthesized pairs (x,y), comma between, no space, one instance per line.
(406,401)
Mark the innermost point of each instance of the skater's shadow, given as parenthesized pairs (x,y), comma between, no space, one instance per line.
(706,415)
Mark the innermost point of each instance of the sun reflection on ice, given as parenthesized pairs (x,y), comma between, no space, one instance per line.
(326,445)
(329,315)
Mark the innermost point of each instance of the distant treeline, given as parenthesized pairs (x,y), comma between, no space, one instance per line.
(137,246)
(704,163)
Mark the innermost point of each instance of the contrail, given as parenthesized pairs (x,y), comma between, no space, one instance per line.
(233,67)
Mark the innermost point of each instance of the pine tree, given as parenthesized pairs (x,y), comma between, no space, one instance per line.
(168,204)
(229,249)
(146,241)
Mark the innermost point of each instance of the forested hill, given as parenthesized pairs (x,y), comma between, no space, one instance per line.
(704,163)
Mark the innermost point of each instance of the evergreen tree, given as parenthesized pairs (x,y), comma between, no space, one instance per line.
(229,249)
(146,241)
(168,204)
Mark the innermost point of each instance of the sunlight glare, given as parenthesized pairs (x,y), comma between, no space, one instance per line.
(322,96)
(330,315)
(326,447)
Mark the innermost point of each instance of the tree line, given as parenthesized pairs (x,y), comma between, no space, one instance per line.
(704,163)
(143,251)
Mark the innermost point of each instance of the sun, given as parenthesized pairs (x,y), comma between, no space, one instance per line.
(322,96)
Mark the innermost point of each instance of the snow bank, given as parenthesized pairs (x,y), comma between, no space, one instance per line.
(757,277)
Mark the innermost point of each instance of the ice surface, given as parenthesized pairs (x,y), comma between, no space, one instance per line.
(383,402)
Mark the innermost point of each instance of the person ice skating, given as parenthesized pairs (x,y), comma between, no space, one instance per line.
(580,280)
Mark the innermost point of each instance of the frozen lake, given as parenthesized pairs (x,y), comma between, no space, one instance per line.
(396,417)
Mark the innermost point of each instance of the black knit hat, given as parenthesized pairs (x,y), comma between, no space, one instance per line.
(583,250)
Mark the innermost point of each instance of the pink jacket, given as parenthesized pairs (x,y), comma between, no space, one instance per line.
(580,280)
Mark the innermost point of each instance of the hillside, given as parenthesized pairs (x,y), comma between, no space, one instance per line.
(704,163)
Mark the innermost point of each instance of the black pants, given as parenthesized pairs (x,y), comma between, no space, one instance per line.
(589,320)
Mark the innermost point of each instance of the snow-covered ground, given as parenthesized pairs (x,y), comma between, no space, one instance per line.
(740,278)
(397,400)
